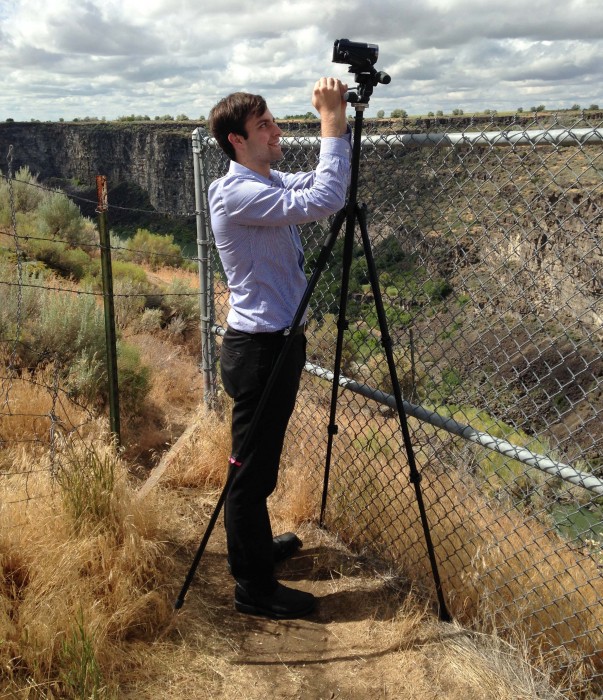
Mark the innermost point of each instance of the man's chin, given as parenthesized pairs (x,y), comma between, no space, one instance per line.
(277,154)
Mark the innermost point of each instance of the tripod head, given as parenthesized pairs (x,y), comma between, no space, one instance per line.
(361,59)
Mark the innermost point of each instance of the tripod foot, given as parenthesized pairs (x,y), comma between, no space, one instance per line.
(444,615)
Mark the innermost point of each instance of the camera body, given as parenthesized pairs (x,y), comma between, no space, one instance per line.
(359,56)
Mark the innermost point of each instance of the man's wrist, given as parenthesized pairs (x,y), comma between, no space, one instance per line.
(332,125)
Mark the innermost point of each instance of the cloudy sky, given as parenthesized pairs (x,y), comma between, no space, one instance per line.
(109,58)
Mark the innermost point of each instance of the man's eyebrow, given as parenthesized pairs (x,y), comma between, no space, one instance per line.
(266,120)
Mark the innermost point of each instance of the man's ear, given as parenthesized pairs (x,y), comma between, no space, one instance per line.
(236,140)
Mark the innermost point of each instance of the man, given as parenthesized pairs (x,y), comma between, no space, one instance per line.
(254,214)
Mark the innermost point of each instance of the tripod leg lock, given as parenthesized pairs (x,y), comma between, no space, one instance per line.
(415,477)
(333,429)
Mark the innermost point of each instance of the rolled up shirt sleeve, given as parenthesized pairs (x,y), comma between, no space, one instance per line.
(291,199)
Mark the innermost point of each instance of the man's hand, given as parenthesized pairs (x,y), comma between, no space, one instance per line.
(328,99)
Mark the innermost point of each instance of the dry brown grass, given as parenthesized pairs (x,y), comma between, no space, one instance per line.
(100,596)
(109,587)
(176,389)
(32,401)
(494,666)
(74,592)
(201,463)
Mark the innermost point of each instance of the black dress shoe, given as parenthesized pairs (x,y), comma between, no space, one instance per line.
(281,604)
(285,546)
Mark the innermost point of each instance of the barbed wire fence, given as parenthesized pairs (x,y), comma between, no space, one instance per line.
(488,244)
(51,329)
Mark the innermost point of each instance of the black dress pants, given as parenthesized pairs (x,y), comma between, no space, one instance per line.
(247,360)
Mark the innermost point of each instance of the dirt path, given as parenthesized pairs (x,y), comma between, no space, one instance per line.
(358,644)
(368,639)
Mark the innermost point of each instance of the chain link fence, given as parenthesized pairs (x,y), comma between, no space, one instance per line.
(487,238)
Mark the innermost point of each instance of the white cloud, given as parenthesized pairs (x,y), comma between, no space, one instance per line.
(113,57)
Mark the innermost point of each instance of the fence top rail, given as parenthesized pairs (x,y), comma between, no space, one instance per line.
(521,454)
(536,137)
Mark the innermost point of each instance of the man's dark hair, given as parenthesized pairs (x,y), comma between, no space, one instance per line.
(229,115)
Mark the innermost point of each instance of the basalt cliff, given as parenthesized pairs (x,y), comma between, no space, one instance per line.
(155,157)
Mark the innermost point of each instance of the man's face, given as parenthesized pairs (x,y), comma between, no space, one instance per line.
(262,145)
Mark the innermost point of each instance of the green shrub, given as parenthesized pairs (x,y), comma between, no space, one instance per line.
(87,379)
(365,343)
(130,271)
(134,378)
(121,270)
(69,324)
(181,300)
(437,289)
(129,300)
(68,262)
(52,326)
(27,195)
(154,249)
(20,302)
(150,321)
(177,326)
(27,225)
(59,217)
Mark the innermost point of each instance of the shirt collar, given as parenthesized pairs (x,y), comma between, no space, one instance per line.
(242,171)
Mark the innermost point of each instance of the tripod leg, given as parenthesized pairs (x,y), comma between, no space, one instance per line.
(348,249)
(342,325)
(415,476)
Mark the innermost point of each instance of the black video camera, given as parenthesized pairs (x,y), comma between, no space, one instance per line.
(356,54)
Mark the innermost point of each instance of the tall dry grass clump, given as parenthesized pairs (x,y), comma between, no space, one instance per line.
(32,404)
(83,574)
(201,461)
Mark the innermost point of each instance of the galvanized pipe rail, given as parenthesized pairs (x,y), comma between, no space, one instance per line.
(521,454)
(535,137)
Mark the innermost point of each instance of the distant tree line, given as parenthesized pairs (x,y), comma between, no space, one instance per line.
(457,112)
(397,113)
(124,118)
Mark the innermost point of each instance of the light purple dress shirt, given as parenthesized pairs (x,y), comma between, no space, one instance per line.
(254,221)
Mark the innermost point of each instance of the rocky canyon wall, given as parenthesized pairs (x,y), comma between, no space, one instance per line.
(156,157)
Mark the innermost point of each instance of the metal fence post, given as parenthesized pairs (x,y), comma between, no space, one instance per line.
(110,333)
(206,297)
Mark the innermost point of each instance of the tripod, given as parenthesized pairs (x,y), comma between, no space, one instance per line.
(367,78)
